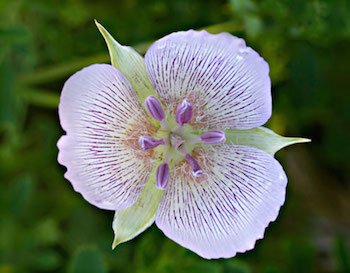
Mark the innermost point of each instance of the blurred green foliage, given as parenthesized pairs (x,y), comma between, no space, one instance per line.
(46,227)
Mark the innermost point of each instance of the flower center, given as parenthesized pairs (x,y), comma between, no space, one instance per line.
(178,143)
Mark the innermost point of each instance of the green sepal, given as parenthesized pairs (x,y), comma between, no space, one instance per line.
(129,223)
(261,138)
(130,63)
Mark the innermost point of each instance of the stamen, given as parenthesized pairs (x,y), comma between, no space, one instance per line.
(184,112)
(196,169)
(213,137)
(162,176)
(147,142)
(154,108)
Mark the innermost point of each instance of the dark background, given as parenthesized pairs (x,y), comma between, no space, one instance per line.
(47,227)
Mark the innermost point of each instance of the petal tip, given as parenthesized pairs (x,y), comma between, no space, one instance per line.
(303,140)
(112,44)
(115,243)
(102,30)
(296,140)
(97,23)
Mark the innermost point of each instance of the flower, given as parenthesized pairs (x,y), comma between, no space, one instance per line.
(174,138)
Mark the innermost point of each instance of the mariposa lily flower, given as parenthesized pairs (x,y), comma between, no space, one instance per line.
(174,138)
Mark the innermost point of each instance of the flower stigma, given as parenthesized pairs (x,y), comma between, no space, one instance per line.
(177,143)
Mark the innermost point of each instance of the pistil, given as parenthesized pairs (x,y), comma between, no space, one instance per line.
(176,141)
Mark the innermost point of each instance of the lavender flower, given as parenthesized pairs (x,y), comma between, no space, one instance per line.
(156,162)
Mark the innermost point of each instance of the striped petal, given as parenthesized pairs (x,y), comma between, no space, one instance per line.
(226,209)
(104,119)
(226,81)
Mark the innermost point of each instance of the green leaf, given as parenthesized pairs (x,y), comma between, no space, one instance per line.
(130,63)
(342,256)
(46,260)
(129,223)
(9,108)
(87,260)
(261,138)
(201,266)
(43,98)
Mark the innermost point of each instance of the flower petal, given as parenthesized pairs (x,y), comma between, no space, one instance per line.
(226,81)
(104,119)
(130,63)
(129,223)
(261,138)
(226,209)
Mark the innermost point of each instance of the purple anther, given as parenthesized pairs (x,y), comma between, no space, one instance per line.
(162,176)
(184,112)
(147,142)
(213,137)
(196,169)
(154,108)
